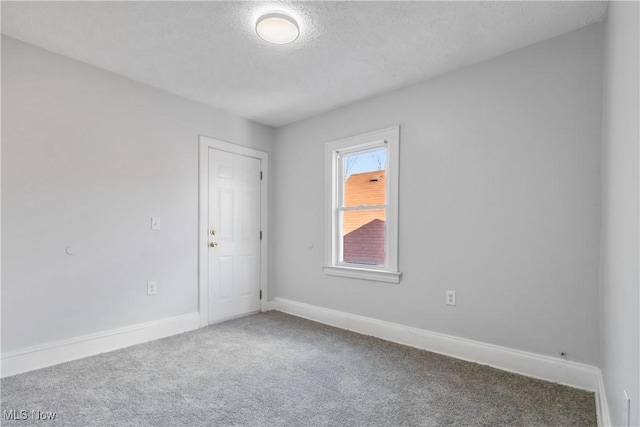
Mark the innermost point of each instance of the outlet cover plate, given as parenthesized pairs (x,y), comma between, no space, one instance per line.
(451,298)
(152,288)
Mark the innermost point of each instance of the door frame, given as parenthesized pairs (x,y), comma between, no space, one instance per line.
(205,143)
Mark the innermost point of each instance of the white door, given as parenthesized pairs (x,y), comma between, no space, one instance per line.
(234,235)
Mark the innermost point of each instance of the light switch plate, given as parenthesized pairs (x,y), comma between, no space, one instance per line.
(155,223)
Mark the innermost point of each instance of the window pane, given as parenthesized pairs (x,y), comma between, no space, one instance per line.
(363,236)
(364,178)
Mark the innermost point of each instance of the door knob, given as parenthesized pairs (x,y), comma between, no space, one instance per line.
(212,232)
(213,244)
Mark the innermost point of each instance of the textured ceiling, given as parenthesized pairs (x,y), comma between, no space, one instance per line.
(208,51)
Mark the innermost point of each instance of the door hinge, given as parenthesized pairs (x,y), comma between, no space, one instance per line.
(260,234)
(260,293)
(260,175)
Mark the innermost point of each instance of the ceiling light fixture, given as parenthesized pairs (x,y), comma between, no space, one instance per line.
(277,28)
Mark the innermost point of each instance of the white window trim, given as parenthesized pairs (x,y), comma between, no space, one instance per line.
(390,274)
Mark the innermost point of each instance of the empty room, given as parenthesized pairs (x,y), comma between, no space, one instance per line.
(378,213)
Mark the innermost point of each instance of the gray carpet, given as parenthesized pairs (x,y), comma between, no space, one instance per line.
(273,369)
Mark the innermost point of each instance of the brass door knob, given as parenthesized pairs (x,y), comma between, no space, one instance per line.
(212,232)
(213,244)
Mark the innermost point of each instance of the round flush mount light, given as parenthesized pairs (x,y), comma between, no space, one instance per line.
(277,28)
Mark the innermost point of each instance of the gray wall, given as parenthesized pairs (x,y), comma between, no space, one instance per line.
(88,158)
(499,201)
(619,345)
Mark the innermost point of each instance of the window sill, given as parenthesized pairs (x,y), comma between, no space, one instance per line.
(363,273)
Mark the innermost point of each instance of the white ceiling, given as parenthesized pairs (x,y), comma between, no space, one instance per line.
(209,52)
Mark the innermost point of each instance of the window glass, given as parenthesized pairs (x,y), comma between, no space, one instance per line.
(366,243)
(363,207)
(364,180)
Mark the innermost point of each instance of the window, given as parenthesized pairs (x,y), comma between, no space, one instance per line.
(362,206)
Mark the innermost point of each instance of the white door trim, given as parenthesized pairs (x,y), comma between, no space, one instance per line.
(205,143)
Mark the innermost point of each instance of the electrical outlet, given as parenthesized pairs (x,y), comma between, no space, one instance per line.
(451,297)
(152,288)
(626,414)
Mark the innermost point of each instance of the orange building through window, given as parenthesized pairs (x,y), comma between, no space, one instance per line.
(364,230)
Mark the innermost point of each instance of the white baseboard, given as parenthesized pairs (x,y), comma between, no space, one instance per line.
(530,364)
(561,371)
(602,407)
(41,356)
